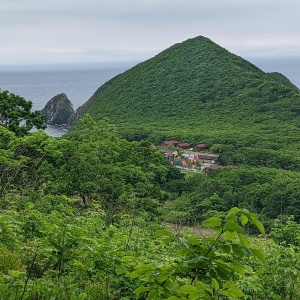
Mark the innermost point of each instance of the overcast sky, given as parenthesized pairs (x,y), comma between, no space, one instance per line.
(77,31)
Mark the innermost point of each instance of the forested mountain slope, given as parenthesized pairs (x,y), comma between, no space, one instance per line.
(197,91)
(282,79)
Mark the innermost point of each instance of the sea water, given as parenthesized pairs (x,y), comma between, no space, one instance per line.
(79,82)
(39,84)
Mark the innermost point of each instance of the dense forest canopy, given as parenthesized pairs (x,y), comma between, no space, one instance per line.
(16,114)
(197,91)
(81,219)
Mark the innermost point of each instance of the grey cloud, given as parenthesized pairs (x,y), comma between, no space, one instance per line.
(100,29)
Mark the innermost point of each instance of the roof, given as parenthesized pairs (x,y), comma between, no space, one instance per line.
(170,153)
(170,142)
(215,167)
(207,156)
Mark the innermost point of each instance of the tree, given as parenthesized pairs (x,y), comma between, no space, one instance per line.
(16,114)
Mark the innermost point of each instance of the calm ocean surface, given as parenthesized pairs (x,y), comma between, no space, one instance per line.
(39,85)
(80,82)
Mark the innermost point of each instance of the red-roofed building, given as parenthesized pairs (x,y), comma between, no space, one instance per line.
(200,147)
(170,155)
(207,158)
(170,143)
(184,145)
(214,167)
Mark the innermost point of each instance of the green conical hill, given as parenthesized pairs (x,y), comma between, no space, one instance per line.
(197,91)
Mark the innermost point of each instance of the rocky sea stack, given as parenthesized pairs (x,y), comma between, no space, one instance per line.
(58,110)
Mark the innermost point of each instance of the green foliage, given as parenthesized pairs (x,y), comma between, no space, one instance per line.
(282,79)
(277,278)
(198,92)
(68,251)
(286,231)
(269,192)
(179,212)
(79,220)
(112,247)
(101,166)
(97,166)
(200,268)
(16,114)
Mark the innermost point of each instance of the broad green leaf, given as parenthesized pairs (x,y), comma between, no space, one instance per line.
(163,232)
(253,219)
(245,211)
(197,295)
(212,222)
(239,268)
(193,240)
(187,289)
(153,294)
(257,253)
(231,217)
(243,240)
(237,292)
(223,270)
(147,267)
(234,210)
(243,220)
(203,286)
(238,250)
(185,242)
(259,225)
(225,293)
(230,287)
(141,289)
(14,273)
(200,260)
(173,298)
(225,248)
(229,235)
(135,274)
(233,226)
(162,277)
(215,284)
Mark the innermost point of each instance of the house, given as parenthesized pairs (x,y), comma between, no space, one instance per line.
(200,147)
(207,158)
(170,155)
(214,167)
(183,146)
(170,143)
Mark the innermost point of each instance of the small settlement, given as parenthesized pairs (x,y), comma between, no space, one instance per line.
(188,158)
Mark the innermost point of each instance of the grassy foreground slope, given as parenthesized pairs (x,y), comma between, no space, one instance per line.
(197,91)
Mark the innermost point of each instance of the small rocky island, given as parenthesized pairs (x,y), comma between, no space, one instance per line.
(58,110)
